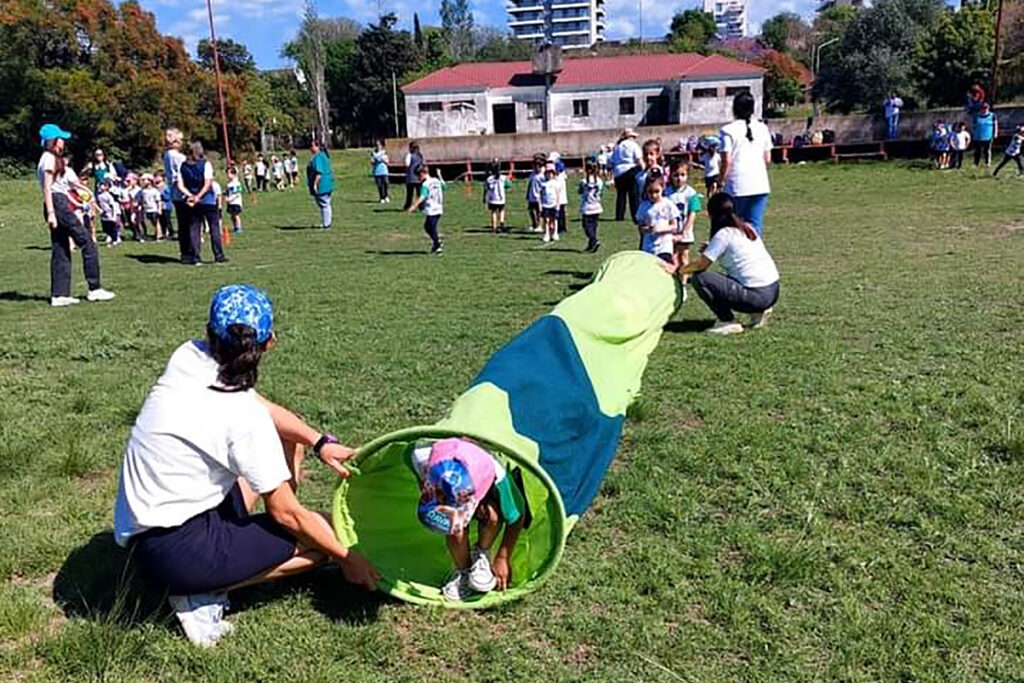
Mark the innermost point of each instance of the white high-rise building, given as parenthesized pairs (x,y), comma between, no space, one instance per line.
(730,17)
(570,24)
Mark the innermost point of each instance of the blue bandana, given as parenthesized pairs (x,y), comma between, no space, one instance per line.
(241,305)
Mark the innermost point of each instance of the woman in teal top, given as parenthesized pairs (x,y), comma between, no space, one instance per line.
(985,130)
(379,163)
(320,178)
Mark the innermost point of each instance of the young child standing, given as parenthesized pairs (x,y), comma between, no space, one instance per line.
(110,211)
(711,160)
(234,199)
(549,203)
(1013,151)
(533,190)
(461,482)
(959,141)
(431,201)
(562,176)
(658,219)
(590,203)
(687,201)
(250,183)
(652,165)
(293,168)
(496,185)
(277,167)
(166,205)
(261,173)
(151,206)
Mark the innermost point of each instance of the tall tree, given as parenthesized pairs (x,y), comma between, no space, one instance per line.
(311,41)
(417,33)
(785,32)
(383,55)
(234,57)
(955,54)
(457,22)
(691,31)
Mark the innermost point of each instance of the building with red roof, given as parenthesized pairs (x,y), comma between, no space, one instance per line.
(584,94)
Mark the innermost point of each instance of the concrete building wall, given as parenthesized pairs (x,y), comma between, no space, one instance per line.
(698,107)
(526,121)
(603,108)
(428,116)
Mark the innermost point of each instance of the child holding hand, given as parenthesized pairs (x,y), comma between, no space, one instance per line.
(687,201)
(658,219)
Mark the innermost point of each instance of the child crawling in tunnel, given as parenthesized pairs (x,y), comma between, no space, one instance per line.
(460,482)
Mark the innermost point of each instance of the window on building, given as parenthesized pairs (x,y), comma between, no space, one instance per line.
(627,106)
(430,106)
(581,108)
(738,90)
(462,105)
(534,110)
(705,92)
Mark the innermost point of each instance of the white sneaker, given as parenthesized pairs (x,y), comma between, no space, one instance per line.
(457,587)
(685,293)
(556,236)
(100,295)
(547,237)
(481,578)
(724,328)
(58,301)
(387,200)
(759,320)
(202,616)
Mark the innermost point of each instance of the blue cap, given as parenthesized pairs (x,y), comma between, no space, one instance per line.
(241,305)
(450,480)
(50,131)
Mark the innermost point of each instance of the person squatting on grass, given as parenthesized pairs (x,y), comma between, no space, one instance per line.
(746,154)
(590,190)
(431,202)
(1013,152)
(195,182)
(461,482)
(496,185)
(204,448)
(751,280)
(320,179)
(61,210)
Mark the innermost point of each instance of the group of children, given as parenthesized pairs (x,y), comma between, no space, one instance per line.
(257,172)
(134,203)
(948,145)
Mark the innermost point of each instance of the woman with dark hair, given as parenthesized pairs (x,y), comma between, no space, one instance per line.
(195,182)
(413,161)
(751,280)
(320,180)
(746,153)
(62,210)
(204,448)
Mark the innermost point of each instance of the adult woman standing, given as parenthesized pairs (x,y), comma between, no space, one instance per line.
(320,178)
(379,164)
(204,448)
(984,129)
(751,282)
(195,182)
(627,160)
(746,153)
(61,208)
(413,160)
(101,169)
(173,159)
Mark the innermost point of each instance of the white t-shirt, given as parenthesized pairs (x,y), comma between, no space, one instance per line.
(549,194)
(278,169)
(261,168)
(747,174)
(432,193)
(627,155)
(590,196)
(173,159)
(215,187)
(234,192)
(109,208)
(61,185)
(495,189)
(563,190)
(746,261)
(151,200)
(657,217)
(963,140)
(189,446)
(712,164)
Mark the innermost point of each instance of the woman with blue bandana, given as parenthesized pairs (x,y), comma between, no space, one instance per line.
(204,448)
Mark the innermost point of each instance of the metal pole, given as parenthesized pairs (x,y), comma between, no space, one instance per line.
(220,87)
(995,54)
(394,90)
(641,26)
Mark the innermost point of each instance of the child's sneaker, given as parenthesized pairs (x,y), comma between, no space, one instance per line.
(457,587)
(481,578)
(556,237)
(547,237)
(202,616)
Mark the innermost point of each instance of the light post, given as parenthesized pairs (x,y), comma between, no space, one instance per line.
(816,65)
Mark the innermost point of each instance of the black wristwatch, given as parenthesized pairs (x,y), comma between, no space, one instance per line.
(324,439)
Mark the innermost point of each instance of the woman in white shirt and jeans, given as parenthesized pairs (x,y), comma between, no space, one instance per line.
(746,153)
(751,282)
(627,160)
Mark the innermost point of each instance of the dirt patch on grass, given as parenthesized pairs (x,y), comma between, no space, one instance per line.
(1008,230)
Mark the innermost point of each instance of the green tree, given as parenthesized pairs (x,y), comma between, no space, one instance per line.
(955,54)
(457,22)
(234,57)
(382,58)
(691,31)
(785,32)
(494,45)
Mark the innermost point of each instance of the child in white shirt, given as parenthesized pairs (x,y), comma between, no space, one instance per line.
(549,203)
(431,201)
(234,199)
(151,206)
(495,187)
(278,168)
(658,219)
(711,160)
(110,210)
(688,201)
(590,203)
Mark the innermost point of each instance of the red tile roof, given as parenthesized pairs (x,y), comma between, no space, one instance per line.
(583,71)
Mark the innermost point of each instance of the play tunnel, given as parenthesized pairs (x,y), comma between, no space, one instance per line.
(549,405)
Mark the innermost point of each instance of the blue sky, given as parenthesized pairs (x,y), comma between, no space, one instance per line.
(264,25)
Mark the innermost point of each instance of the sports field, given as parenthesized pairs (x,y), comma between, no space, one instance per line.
(839,496)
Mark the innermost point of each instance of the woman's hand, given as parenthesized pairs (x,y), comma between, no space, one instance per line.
(502,570)
(51,220)
(334,455)
(359,570)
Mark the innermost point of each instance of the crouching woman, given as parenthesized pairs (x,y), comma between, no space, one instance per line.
(751,280)
(204,448)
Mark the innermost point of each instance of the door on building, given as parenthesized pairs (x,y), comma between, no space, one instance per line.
(656,113)
(504,118)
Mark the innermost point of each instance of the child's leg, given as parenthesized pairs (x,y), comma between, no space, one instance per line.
(1020,164)
(494,220)
(501,214)
(489,525)
(1002,163)
(458,548)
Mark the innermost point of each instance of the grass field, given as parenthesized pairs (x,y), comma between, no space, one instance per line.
(837,497)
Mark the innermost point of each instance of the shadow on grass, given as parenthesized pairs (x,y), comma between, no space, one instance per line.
(577,274)
(688,326)
(18,296)
(397,253)
(297,227)
(154,259)
(36,247)
(97,583)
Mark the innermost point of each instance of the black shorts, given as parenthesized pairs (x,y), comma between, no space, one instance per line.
(550,213)
(709,181)
(213,550)
(234,210)
(533,206)
(496,207)
(667,258)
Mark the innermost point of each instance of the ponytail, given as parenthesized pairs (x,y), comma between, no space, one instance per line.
(238,358)
(723,215)
(743,108)
(750,131)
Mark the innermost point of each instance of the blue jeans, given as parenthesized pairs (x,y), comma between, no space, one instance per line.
(893,124)
(324,202)
(751,209)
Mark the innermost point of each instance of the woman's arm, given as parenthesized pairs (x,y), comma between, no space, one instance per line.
(51,215)
(180,184)
(698,266)
(723,169)
(291,427)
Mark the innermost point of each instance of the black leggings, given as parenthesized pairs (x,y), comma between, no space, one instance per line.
(723,295)
(430,227)
(625,188)
(1006,160)
(982,147)
(382,186)
(411,190)
(590,222)
(69,227)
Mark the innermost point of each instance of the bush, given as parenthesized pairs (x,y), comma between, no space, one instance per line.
(13,169)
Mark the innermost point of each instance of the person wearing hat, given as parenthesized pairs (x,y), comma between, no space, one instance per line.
(460,482)
(60,185)
(985,129)
(204,448)
(627,160)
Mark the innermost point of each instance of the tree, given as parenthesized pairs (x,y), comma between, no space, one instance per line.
(955,54)
(311,45)
(494,45)
(382,57)
(457,22)
(417,32)
(234,57)
(691,31)
(786,32)
(784,80)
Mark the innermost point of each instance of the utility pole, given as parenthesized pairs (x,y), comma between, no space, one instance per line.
(996,54)
(220,87)
(641,4)
(394,91)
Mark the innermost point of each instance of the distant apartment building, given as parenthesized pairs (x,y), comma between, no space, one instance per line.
(730,17)
(570,24)
(826,5)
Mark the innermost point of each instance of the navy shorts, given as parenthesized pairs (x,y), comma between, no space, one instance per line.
(550,212)
(214,550)
(496,207)
(234,210)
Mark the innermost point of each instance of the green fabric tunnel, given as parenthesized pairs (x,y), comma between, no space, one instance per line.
(550,403)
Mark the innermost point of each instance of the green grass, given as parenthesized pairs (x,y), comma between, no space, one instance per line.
(837,497)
